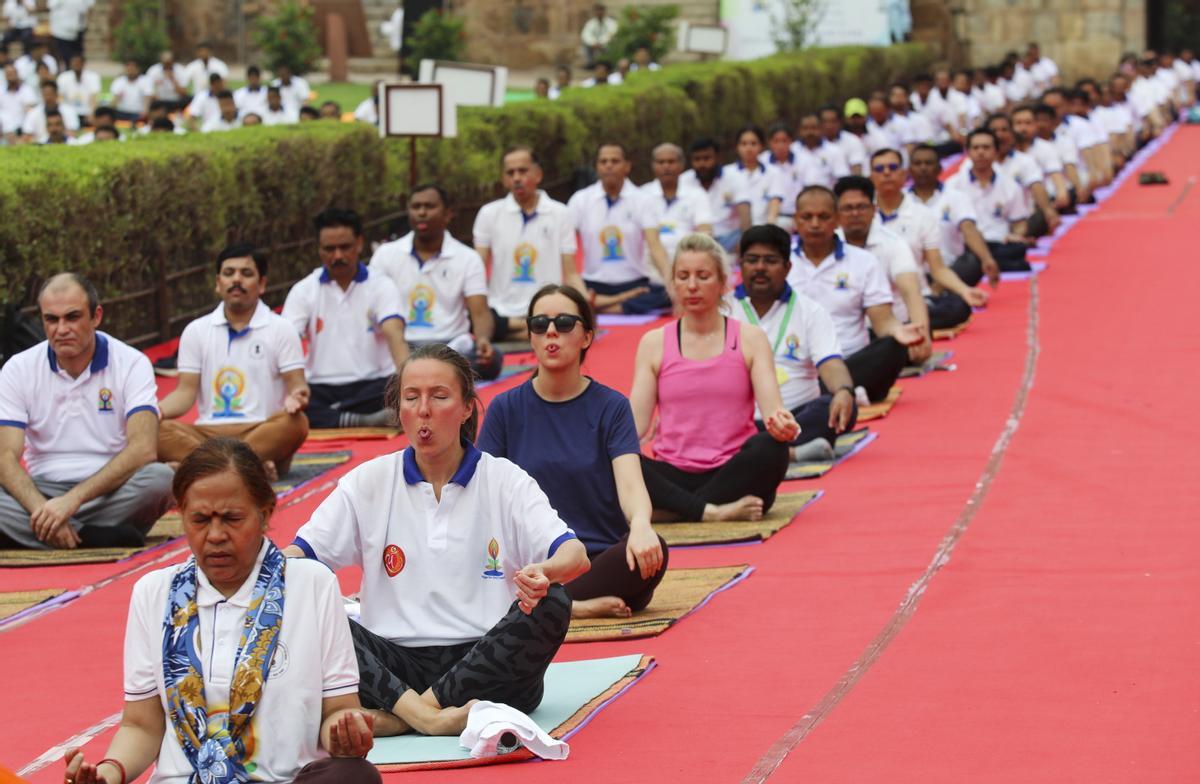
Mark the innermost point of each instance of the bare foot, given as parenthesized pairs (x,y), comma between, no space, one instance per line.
(601,607)
(748,507)
(272,471)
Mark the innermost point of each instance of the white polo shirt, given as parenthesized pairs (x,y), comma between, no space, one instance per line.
(204,107)
(895,259)
(824,165)
(752,186)
(1047,157)
(314,659)
(852,149)
(802,336)
(846,282)
(162,87)
(1022,167)
(610,233)
(294,94)
(790,176)
(240,371)
(527,250)
(676,217)
(915,223)
(996,206)
(434,573)
(78,91)
(198,72)
(131,94)
(434,293)
(722,199)
(951,208)
(251,101)
(74,426)
(345,343)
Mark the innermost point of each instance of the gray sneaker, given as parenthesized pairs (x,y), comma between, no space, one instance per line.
(817,450)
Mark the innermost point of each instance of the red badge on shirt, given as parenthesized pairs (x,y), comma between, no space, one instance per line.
(393,560)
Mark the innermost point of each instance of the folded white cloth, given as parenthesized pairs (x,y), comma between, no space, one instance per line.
(488,721)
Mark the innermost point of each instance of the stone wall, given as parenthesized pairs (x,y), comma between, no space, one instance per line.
(1085,37)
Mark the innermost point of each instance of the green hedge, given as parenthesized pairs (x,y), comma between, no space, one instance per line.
(127,214)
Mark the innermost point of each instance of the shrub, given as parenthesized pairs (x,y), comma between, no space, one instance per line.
(652,26)
(436,36)
(288,37)
(140,35)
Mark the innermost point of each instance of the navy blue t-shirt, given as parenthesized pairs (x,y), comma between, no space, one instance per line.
(568,448)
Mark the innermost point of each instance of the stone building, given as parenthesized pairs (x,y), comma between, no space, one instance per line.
(1085,37)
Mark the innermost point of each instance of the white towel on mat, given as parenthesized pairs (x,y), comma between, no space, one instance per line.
(488,721)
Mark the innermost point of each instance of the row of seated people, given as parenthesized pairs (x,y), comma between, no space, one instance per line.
(549,506)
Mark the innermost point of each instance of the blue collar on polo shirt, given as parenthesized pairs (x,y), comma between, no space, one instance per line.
(99,358)
(359,276)
(740,292)
(466,469)
(791,158)
(887,217)
(839,251)
(760,166)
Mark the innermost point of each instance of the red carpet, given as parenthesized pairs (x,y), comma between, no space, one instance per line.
(1057,642)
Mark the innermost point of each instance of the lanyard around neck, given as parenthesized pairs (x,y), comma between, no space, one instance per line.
(787,318)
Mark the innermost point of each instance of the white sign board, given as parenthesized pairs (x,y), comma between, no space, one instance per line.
(703,39)
(467,84)
(416,110)
(840,22)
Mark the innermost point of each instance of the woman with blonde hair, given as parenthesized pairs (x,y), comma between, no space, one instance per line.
(704,373)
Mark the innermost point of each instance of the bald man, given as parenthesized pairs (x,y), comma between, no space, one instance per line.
(82,409)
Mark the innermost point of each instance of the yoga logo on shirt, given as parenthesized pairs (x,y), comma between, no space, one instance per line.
(105,404)
(524,261)
(666,228)
(998,212)
(493,570)
(420,306)
(841,281)
(792,344)
(393,560)
(946,215)
(228,386)
(371,321)
(611,243)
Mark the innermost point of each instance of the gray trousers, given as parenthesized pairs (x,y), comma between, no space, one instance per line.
(139,503)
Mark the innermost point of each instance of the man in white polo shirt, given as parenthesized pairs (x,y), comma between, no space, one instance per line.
(706,176)
(1022,167)
(916,224)
(823,162)
(352,319)
(1024,126)
(80,408)
(245,365)
(617,232)
(850,284)
(526,241)
(997,200)
(961,243)
(677,210)
(833,132)
(442,283)
(804,341)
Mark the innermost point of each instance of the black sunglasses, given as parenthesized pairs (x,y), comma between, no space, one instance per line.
(880,168)
(564,322)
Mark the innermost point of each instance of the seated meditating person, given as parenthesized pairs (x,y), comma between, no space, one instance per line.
(78,428)
(446,537)
(997,200)
(704,373)
(239,664)
(351,315)
(441,282)
(803,340)
(577,438)
(245,365)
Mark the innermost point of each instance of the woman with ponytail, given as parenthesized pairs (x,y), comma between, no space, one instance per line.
(447,538)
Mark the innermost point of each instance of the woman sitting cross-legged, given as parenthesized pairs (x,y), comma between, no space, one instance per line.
(577,438)
(704,373)
(446,537)
(239,664)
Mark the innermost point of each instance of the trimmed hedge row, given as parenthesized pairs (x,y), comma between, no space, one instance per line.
(132,215)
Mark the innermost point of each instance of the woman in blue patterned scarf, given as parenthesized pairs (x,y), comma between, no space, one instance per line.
(239,664)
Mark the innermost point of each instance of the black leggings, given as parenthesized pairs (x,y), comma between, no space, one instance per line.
(947,310)
(757,469)
(877,365)
(813,418)
(328,402)
(506,665)
(610,576)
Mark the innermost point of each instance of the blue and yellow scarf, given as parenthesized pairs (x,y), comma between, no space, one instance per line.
(218,756)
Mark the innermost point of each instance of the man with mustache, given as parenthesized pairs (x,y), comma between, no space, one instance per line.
(79,410)
(353,319)
(245,365)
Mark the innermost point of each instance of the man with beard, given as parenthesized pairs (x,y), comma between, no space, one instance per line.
(352,318)
(1023,168)
(823,161)
(722,195)
(245,366)
(1044,153)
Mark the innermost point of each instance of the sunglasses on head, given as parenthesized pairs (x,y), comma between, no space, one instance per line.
(885,167)
(564,322)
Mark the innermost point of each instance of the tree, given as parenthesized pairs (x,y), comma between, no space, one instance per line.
(140,35)
(795,27)
(288,37)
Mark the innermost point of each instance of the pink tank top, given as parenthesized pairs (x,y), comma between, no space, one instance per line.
(705,408)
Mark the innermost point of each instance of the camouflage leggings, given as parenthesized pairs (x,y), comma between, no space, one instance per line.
(506,665)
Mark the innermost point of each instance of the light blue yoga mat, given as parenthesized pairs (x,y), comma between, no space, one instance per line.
(569,687)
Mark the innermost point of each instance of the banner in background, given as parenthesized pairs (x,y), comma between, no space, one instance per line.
(863,22)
